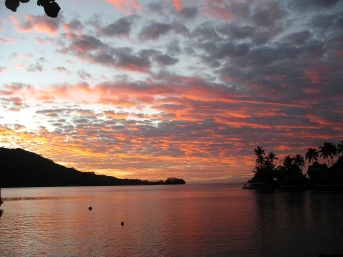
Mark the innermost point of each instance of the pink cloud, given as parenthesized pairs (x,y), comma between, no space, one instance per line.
(318,75)
(177,5)
(126,6)
(218,9)
(312,91)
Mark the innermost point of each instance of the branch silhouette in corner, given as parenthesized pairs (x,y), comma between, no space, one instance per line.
(50,7)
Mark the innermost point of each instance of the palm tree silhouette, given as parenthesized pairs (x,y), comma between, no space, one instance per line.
(298,160)
(311,155)
(259,153)
(328,150)
(271,157)
(288,162)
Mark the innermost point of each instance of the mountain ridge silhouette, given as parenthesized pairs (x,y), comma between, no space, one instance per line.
(21,168)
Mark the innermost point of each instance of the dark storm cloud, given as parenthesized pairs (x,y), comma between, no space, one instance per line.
(189,12)
(180,28)
(241,9)
(327,22)
(126,58)
(235,31)
(102,58)
(224,50)
(121,27)
(296,38)
(154,31)
(164,59)
(156,7)
(309,5)
(205,32)
(173,48)
(95,21)
(267,17)
(74,26)
(267,55)
(84,43)
(95,51)
(326,3)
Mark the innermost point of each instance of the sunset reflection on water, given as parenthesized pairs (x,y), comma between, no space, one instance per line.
(184,220)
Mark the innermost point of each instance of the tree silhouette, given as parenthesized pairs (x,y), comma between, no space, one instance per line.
(340,148)
(311,155)
(288,162)
(259,154)
(271,157)
(50,7)
(298,160)
(328,150)
(289,173)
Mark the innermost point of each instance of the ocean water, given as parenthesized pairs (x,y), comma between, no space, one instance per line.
(179,220)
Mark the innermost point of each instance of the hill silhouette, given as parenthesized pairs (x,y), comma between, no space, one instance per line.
(20,168)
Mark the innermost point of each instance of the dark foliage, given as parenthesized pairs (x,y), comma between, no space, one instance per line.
(315,172)
(51,8)
(290,174)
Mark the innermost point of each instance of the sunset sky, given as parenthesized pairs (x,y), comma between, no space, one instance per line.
(183,88)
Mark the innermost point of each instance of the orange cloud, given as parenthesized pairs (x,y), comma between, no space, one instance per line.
(40,24)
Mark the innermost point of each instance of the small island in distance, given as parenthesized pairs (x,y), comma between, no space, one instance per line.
(20,168)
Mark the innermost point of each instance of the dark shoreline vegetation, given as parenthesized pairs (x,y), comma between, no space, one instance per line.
(290,173)
(20,168)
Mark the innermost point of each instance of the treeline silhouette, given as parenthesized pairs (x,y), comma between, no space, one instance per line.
(290,172)
(20,168)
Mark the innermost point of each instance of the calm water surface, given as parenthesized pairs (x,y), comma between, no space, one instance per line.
(180,220)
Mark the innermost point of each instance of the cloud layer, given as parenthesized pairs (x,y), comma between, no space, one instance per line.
(179,88)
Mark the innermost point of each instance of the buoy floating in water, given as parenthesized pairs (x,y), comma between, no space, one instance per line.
(122,223)
(90,208)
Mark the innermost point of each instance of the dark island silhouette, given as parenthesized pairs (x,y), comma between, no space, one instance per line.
(290,173)
(20,168)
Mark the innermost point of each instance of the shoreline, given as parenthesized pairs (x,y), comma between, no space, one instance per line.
(270,187)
